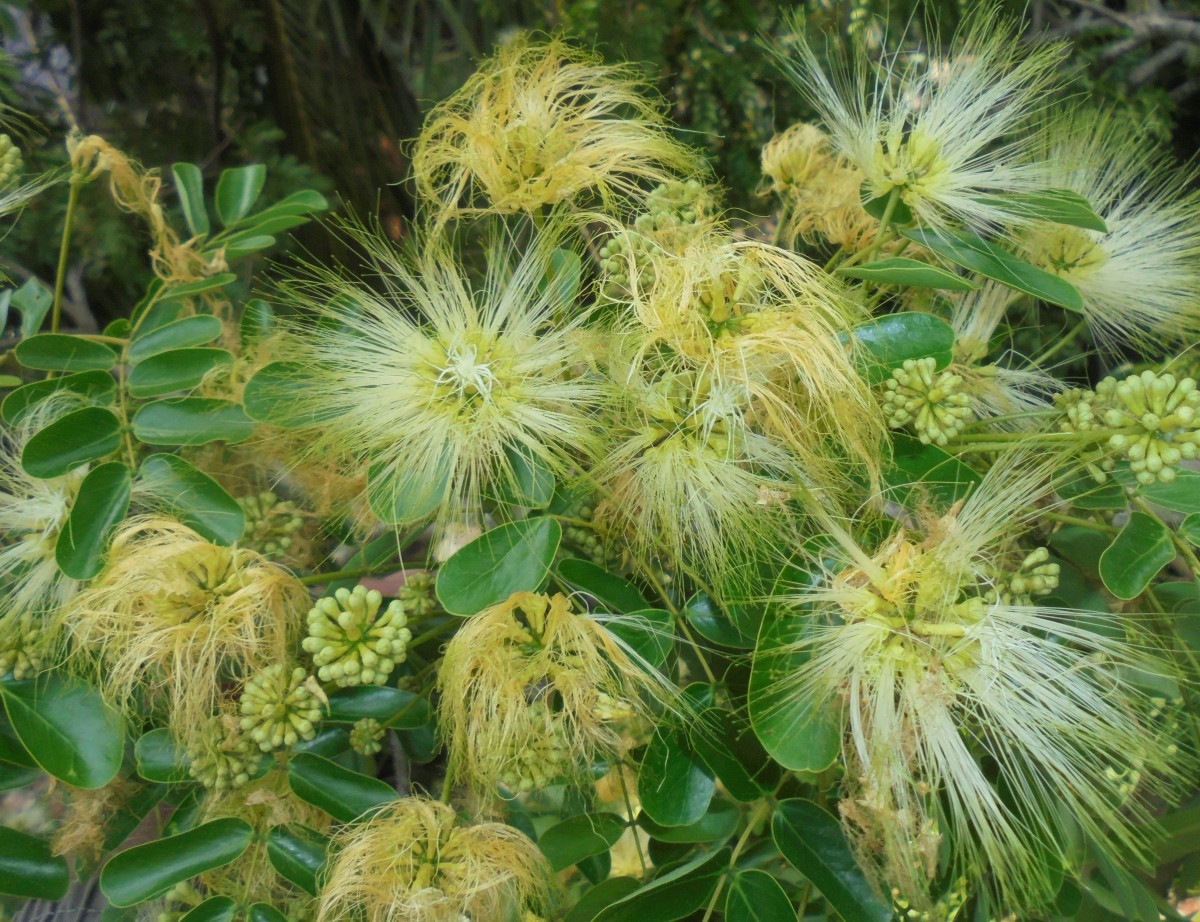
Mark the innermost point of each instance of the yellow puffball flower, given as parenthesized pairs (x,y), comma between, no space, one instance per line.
(175,614)
(412,861)
(530,670)
(441,385)
(949,687)
(541,124)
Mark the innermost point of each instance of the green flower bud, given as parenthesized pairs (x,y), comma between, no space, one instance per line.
(221,758)
(930,402)
(351,642)
(20,648)
(544,760)
(280,707)
(271,523)
(11,162)
(366,736)
(417,596)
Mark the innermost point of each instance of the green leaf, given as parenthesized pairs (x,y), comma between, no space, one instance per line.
(1137,554)
(237,191)
(176,370)
(713,624)
(727,745)
(101,503)
(189,184)
(258,320)
(243,244)
(1080,489)
(921,474)
(613,592)
(60,352)
(512,558)
(675,895)
(28,869)
(991,262)
(71,440)
(1189,529)
(178,334)
(813,842)
(562,278)
(649,634)
(877,207)
(799,736)
(184,290)
(674,785)
(900,270)
(755,896)
(147,871)
(532,480)
(213,909)
(392,707)
(33,300)
(271,396)
(579,837)
(1058,206)
(717,825)
(603,894)
(17,776)
(1180,495)
(91,386)
(402,495)
(160,759)
(888,341)
(193,497)
(264,912)
(191,421)
(297,854)
(67,728)
(343,794)
(287,213)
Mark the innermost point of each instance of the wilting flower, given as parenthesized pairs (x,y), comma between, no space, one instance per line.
(443,389)
(981,731)
(176,614)
(542,124)
(531,674)
(412,861)
(937,131)
(1140,280)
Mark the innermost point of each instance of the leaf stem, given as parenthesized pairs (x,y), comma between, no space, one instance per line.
(64,250)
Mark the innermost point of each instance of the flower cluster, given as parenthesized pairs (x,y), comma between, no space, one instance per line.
(352,642)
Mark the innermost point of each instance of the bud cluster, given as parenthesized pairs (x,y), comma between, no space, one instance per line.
(20,649)
(932,403)
(271,523)
(280,707)
(366,736)
(11,162)
(1155,416)
(544,759)
(417,595)
(221,758)
(1036,575)
(351,642)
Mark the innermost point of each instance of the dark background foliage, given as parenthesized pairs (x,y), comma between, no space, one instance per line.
(328,93)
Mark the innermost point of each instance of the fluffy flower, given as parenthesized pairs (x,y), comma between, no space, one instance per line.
(528,674)
(32,512)
(542,124)
(442,389)
(411,861)
(1140,281)
(177,615)
(938,131)
(980,731)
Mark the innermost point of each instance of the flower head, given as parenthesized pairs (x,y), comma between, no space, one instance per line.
(441,388)
(32,513)
(1140,280)
(352,642)
(937,131)
(541,124)
(412,861)
(980,728)
(529,674)
(174,614)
